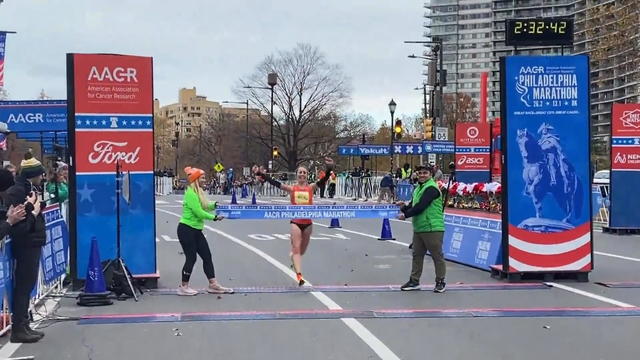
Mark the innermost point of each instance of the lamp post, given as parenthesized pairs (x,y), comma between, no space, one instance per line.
(246,134)
(272,81)
(392,109)
(438,51)
(158,148)
(424,87)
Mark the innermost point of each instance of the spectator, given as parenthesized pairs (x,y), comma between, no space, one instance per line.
(28,237)
(11,168)
(438,173)
(57,183)
(386,184)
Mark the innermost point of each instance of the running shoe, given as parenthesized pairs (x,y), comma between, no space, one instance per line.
(186,291)
(410,285)
(440,286)
(300,279)
(218,289)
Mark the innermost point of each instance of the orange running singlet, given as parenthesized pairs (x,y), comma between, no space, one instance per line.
(302,195)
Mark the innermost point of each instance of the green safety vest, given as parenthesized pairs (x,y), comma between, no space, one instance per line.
(406,173)
(432,219)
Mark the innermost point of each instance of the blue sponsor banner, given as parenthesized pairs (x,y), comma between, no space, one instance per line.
(408,148)
(96,210)
(473,239)
(547,176)
(34,116)
(271,212)
(348,150)
(374,150)
(439,147)
(5,270)
(55,252)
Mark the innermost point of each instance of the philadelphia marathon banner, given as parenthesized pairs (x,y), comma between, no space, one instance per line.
(546,178)
(111,119)
(625,166)
(472,152)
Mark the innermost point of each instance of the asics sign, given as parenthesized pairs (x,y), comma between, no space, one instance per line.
(469,160)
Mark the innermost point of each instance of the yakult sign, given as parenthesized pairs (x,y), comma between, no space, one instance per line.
(472,152)
(111,119)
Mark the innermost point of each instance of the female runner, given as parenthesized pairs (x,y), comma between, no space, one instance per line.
(301,194)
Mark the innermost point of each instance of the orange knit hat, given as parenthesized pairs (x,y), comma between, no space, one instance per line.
(193,174)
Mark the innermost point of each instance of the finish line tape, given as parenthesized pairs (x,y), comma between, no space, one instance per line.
(357,314)
(271,212)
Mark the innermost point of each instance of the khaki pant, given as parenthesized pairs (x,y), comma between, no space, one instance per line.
(385,193)
(432,242)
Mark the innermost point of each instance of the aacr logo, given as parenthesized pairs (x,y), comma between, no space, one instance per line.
(532,70)
(28,118)
(117,74)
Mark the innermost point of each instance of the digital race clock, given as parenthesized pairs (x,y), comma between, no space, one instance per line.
(539,31)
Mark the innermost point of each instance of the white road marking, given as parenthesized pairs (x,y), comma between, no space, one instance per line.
(161,202)
(363,333)
(591,295)
(168,238)
(382,266)
(616,256)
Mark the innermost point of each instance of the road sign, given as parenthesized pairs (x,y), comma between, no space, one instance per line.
(270,164)
(218,167)
(246,171)
(432,158)
(442,134)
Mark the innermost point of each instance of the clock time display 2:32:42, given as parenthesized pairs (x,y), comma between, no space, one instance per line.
(539,31)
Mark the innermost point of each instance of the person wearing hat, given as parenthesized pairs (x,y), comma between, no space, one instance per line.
(27,238)
(195,209)
(426,213)
(57,183)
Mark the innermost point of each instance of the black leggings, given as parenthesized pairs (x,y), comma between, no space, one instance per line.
(25,278)
(193,242)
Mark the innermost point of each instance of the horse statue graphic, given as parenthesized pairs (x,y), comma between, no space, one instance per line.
(547,171)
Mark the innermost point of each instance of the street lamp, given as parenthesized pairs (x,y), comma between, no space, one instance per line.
(272,81)
(246,135)
(392,109)
(158,148)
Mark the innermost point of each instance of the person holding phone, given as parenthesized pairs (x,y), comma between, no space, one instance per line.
(195,210)
(27,238)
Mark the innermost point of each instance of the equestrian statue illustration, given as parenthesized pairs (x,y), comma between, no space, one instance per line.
(546,170)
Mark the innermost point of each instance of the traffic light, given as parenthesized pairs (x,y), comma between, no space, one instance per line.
(275,152)
(397,130)
(428,128)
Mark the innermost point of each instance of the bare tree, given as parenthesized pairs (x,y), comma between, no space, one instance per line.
(4,94)
(460,107)
(309,95)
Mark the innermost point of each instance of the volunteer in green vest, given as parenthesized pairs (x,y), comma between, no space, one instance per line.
(425,211)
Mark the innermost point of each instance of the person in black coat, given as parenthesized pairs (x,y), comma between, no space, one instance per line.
(27,238)
(13,214)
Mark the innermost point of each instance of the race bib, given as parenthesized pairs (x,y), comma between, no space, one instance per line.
(301,197)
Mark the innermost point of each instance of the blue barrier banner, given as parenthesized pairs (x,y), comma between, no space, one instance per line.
(54,253)
(439,147)
(273,212)
(374,150)
(472,238)
(5,268)
(34,115)
(546,129)
(408,148)
(348,150)
(404,192)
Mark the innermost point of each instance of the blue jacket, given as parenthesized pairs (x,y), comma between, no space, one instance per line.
(386,181)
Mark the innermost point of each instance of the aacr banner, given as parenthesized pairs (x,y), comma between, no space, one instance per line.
(625,166)
(34,115)
(111,120)
(472,238)
(472,152)
(546,144)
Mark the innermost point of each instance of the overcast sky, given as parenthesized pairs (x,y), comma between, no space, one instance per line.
(209,44)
